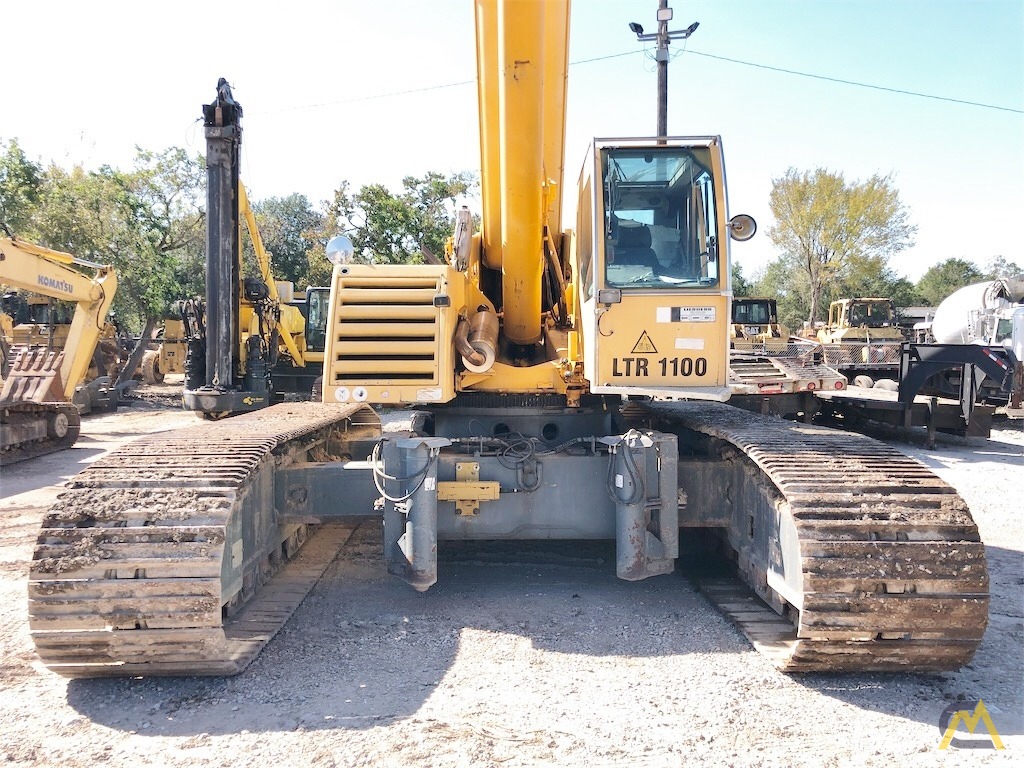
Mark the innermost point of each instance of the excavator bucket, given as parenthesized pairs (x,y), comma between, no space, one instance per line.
(35,415)
(35,377)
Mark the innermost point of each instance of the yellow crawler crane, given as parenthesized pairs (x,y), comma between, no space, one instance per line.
(510,364)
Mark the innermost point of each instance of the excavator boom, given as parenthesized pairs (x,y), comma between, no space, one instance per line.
(36,413)
(51,273)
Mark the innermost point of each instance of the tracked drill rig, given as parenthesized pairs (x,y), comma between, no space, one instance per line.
(555,384)
(242,339)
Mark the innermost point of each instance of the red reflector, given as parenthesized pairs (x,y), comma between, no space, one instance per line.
(812,386)
(839,385)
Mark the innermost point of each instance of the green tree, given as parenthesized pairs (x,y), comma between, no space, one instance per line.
(872,277)
(291,229)
(404,228)
(167,192)
(904,293)
(944,278)
(999,266)
(784,280)
(146,222)
(740,285)
(825,226)
(21,182)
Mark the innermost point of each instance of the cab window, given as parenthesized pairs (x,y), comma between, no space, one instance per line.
(316,319)
(661,221)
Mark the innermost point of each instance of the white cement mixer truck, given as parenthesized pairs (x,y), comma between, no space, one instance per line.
(989,313)
(978,329)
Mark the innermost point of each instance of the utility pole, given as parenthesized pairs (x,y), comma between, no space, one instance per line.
(663,37)
(661,57)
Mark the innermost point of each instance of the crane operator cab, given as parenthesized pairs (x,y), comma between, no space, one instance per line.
(652,244)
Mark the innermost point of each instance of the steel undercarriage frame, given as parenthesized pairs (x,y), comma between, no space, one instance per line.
(503,487)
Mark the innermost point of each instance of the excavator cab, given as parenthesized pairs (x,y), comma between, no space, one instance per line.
(318,301)
(652,235)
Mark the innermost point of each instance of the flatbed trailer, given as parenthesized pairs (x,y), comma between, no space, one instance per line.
(860,407)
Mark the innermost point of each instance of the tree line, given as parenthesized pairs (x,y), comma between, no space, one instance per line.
(148,222)
(836,238)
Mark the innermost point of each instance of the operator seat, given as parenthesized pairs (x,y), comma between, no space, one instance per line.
(634,246)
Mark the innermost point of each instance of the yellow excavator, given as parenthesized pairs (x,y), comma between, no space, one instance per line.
(37,414)
(543,383)
(36,320)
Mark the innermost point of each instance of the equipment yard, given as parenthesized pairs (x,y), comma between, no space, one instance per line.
(528,654)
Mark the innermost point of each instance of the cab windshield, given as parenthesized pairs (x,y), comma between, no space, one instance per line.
(751,312)
(1004,330)
(660,222)
(875,314)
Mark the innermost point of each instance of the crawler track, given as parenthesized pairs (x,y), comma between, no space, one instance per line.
(164,558)
(158,559)
(61,423)
(891,570)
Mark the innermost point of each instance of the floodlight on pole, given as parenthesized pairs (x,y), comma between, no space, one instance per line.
(663,37)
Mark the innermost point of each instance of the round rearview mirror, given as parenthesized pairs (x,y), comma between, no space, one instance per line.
(340,250)
(742,227)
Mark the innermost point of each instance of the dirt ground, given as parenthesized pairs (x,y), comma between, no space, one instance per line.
(547,659)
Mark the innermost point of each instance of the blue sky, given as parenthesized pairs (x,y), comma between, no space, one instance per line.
(371,91)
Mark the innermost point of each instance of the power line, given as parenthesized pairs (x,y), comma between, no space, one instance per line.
(854,83)
(366,98)
(768,67)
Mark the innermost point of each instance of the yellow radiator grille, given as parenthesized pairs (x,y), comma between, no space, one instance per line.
(386,330)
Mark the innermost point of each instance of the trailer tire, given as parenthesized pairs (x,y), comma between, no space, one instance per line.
(863,381)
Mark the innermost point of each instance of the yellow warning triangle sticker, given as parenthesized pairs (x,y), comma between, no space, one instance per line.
(644,344)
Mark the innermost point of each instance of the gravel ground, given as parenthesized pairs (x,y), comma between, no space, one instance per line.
(545,661)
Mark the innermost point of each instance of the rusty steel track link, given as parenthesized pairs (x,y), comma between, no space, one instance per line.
(141,568)
(892,572)
(54,441)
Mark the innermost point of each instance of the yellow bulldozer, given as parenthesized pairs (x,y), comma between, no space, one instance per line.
(862,339)
(755,325)
(542,383)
